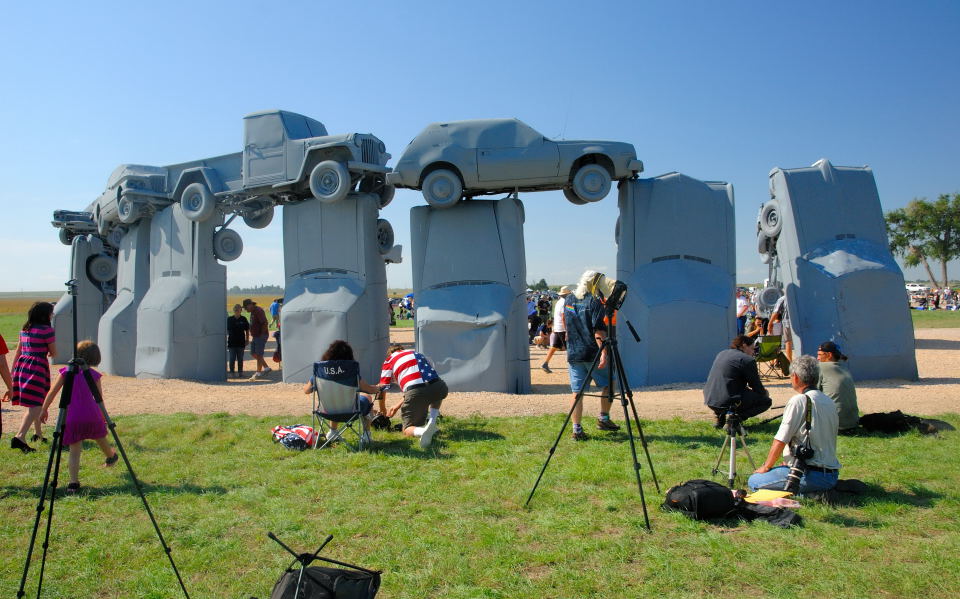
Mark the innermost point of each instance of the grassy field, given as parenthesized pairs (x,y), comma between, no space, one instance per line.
(449,522)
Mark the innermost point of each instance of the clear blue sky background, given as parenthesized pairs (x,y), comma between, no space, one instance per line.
(715,90)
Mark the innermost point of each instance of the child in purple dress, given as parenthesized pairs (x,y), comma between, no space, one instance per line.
(84,418)
(31,371)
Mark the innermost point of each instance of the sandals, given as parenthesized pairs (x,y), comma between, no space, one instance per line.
(112,459)
(35,437)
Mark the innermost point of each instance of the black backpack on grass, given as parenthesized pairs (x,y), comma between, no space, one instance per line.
(319,582)
(701,500)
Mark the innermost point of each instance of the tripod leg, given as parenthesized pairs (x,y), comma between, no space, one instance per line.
(723,447)
(618,375)
(136,482)
(743,441)
(53,464)
(732,468)
(643,440)
(576,401)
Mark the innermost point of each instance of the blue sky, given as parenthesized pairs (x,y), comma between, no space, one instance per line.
(715,90)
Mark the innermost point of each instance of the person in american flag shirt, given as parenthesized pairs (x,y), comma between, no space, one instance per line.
(423,392)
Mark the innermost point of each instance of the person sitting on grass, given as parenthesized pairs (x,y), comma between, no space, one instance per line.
(84,417)
(823,469)
(837,383)
(341,350)
(423,392)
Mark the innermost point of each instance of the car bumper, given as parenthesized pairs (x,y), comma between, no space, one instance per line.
(636,166)
(394,178)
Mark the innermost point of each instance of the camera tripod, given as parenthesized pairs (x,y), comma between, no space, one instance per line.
(618,380)
(77,367)
(734,429)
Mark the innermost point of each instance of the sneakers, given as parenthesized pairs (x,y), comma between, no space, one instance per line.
(267,369)
(607,425)
(36,437)
(333,435)
(73,488)
(428,433)
(255,377)
(580,435)
(18,444)
(545,368)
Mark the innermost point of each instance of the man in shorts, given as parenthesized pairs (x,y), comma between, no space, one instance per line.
(558,338)
(258,337)
(423,392)
(586,331)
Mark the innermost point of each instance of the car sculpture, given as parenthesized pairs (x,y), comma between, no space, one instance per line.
(286,157)
(449,161)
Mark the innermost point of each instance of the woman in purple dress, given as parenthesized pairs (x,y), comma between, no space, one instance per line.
(84,417)
(31,371)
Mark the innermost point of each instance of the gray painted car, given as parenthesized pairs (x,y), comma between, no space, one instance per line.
(449,161)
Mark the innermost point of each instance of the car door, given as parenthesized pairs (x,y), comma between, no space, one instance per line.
(263,156)
(511,151)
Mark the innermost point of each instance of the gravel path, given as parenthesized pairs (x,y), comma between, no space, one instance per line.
(938,357)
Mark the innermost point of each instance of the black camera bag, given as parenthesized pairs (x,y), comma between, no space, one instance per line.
(701,499)
(327,583)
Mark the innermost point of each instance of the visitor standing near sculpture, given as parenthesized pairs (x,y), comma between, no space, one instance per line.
(742,305)
(31,371)
(558,338)
(259,333)
(586,330)
(533,318)
(837,383)
(734,383)
(779,324)
(238,335)
(423,392)
(5,375)
(275,312)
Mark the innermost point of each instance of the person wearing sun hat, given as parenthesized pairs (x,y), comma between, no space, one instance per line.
(558,338)
(837,383)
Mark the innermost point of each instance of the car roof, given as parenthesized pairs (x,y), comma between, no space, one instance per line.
(476,133)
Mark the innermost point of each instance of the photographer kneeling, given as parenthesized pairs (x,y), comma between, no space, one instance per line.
(821,470)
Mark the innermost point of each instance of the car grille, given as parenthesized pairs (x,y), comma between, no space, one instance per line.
(370,151)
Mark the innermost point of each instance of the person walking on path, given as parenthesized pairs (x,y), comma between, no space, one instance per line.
(31,371)
(558,338)
(84,418)
(259,333)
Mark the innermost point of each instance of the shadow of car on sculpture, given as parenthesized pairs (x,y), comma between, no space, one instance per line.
(449,161)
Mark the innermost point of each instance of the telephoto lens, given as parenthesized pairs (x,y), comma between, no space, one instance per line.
(793,477)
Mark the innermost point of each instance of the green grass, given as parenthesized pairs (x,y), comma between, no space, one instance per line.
(450,522)
(935,319)
(10,325)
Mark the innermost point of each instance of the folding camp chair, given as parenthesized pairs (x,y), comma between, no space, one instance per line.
(335,398)
(770,360)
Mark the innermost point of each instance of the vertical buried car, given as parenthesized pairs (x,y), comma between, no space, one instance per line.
(449,161)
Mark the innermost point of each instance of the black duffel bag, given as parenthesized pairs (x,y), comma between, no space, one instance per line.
(701,500)
(319,582)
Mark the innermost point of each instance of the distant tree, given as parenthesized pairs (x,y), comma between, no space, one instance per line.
(924,231)
(540,285)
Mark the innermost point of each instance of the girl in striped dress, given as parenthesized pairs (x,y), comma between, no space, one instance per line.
(31,371)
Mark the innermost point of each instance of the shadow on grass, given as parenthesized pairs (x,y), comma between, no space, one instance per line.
(106,491)
(408,447)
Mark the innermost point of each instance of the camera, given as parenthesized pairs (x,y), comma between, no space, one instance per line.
(801,453)
(612,291)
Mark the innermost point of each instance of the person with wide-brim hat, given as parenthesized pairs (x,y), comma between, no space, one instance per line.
(558,338)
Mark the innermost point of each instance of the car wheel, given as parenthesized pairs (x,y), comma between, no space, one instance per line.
(101,268)
(572,197)
(128,211)
(66,237)
(770,222)
(116,236)
(763,243)
(258,217)
(384,236)
(768,297)
(330,181)
(442,188)
(591,183)
(197,202)
(227,245)
(376,184)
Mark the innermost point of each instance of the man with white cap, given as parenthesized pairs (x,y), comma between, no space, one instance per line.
(558,338)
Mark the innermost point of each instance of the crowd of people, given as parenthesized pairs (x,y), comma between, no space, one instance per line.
(935,299)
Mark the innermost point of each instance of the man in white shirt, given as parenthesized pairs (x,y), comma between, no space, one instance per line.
(823,469)
(742,305)
(558,338)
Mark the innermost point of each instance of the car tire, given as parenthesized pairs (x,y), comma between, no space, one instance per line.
(128,211)
(768,297)
(115,237)
(197,202)
(591,182)
(572,197)
(261,220)
(66,237)
(227,245)
(101,268)
(384,236)
(765,257)
(770,221)
(763,243)
(442,188)
(330,181)
(377,185)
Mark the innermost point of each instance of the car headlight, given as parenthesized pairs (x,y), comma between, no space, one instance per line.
(357,141)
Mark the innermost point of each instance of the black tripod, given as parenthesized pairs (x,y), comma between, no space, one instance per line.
(618,380)
(75,367)
(734,428)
